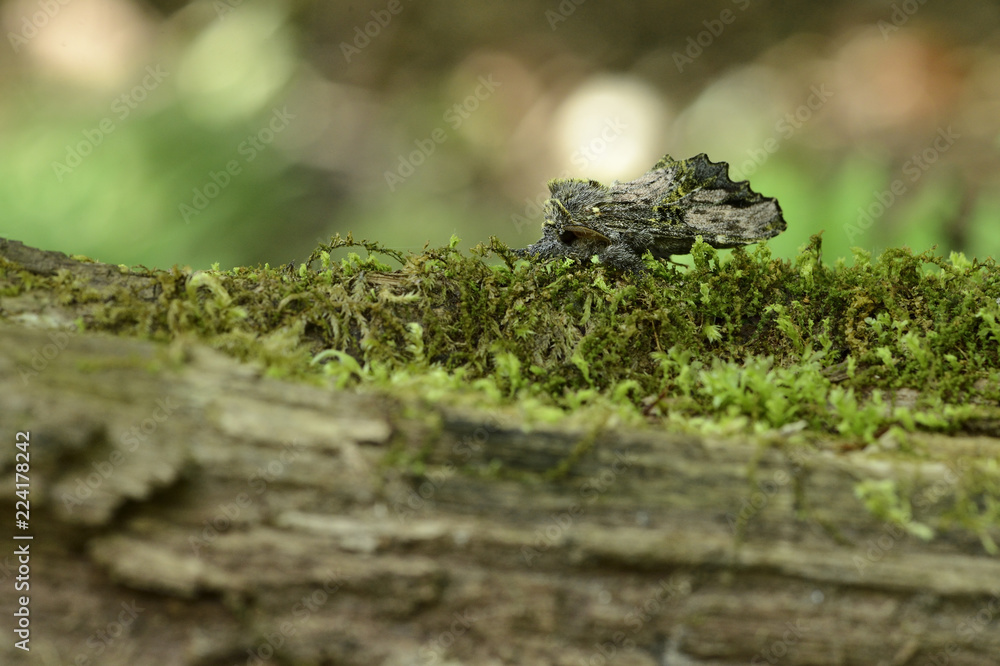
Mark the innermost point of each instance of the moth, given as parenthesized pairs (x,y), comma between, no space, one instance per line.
(662,211)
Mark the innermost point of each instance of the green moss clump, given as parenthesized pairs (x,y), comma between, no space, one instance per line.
(751,343)
(746,344)
(847,355)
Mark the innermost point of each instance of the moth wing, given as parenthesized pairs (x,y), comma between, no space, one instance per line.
(710,204)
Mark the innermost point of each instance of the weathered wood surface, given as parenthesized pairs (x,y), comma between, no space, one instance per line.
(187,510)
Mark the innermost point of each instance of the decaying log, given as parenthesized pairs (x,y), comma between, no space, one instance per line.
(186,509)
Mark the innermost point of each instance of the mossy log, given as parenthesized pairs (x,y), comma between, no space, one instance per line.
(186,509)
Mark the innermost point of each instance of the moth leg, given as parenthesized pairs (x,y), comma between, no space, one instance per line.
(582,242)
(622,257)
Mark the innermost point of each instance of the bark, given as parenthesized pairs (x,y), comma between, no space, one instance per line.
(187,509)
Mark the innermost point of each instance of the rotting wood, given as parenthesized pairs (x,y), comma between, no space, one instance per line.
(187,510)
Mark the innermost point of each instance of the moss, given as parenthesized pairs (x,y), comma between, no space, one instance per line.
(883,500)
(893,345)
(763,342)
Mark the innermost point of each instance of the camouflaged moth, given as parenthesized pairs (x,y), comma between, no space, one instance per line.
(662,211)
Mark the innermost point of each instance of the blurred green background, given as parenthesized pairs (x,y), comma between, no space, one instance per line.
(241,131)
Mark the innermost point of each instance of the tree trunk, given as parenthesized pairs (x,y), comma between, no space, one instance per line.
(187,510)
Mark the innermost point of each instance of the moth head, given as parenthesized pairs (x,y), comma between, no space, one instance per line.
(568,218)
(576,235)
